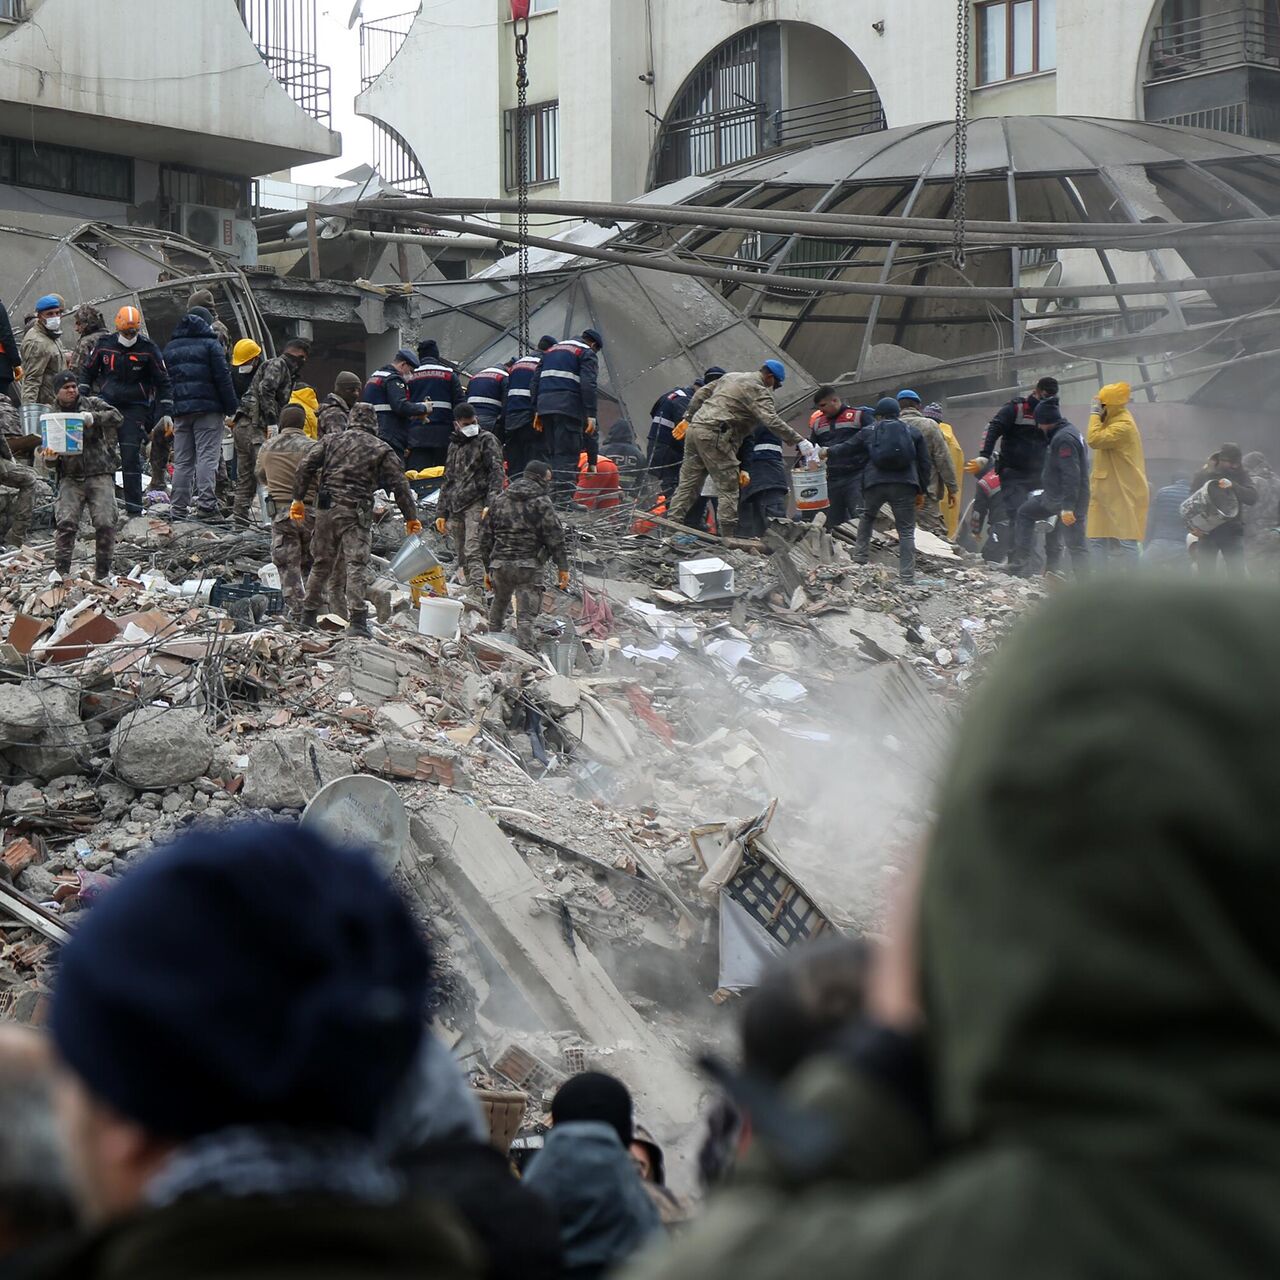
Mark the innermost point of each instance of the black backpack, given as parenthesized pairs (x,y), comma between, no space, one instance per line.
(892,448)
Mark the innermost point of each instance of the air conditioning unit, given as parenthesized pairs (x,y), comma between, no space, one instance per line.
(214,228)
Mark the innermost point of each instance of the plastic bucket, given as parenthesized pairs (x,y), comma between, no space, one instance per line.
(413,559)
(439,617)
(810,489)
(62,432)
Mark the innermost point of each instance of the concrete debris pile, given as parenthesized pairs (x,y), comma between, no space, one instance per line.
(603,841)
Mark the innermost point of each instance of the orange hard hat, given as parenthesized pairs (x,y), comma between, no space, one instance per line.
(128,318)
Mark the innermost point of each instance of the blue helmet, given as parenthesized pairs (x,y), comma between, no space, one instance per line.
(777,368)
(50,302)
(908,395)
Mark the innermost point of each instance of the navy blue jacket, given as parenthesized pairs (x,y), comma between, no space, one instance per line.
(487,395)
(519,408)
(1022,443)
(566,380)
(1065,478)
(198,370)
(825,432)
(1166,522)
(761,458)
(668,410)
(855,456)
(125,376)
(435,383)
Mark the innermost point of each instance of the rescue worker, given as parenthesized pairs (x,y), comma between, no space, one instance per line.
(650,1162)
(435,385)
(944,485)
(522,442)
(473,478)
(1167,535)
(487,395)
(564,401)
(346,468)
(1119,492)
(86,478)
(128,371)
(204,298)
(763,483)
(665,453)
(268,393)
(15,475)
(278,463)
(519,534)
(896,474)
(621,449)
(834,422)
(388,393)
(1063,497)
(949,506)
(1226,467)
(305,395)
(1019,464)
(245,358)
(599,485)
(42,353)
(336,407)
(721,416)
(91,329)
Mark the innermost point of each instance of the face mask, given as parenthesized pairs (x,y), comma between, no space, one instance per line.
(247,369)
(127,340)
(470,429)
(53,324)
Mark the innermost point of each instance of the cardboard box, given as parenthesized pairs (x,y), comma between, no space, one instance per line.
(709,579)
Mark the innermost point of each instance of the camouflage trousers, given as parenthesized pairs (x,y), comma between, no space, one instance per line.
(341,534)
(464,529)
(291,555)
(98,493)
(708,452)
(525,583)
(13,475)
(248,440)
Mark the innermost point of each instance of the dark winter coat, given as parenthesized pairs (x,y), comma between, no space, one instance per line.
(198,370)
(856,455)
(268,394)
(522,528)
(1240,482)
(761,458)
(1021,442)
(350,465)
(128,375)
(334,412)
(1165,521)
(566,380)
(472,473)
(1065,478)
(621,449)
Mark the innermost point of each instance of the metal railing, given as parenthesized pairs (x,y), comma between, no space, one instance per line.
(1214,41)
(845,117)
(284,32)
(1248,119)
(380,41)
(396,163)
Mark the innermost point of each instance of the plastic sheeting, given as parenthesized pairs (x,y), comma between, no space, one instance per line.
(745,948)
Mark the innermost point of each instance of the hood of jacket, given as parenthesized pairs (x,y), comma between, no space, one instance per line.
(621,432)
(1100,959)
(526,490)
(1115,395)
(306,396)
(364,417)
(193,326)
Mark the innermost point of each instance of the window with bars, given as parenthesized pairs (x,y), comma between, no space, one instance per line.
(1016,38)
(94,174)
(542,137)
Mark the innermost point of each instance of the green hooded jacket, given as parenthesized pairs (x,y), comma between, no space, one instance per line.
(1101,972)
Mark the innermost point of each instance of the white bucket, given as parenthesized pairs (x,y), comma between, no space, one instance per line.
(228,448)
(810,489)
(62,432)
(440,617)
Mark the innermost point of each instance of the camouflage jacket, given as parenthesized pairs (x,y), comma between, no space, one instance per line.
(101,456)
(10,425)
(223,335)
(84,349)
(522,528)
(42,357)
(334,412)
(268,393)
(472,473)
(351,465)
(278,463)
(735,405)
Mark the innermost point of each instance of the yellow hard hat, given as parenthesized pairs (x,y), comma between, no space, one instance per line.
(244,351)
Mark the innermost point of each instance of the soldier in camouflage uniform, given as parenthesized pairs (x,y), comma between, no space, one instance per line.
(204,298)
(14,475)
(86,478)
(350,465)
(473,476)
(91,329)
(278,463)
(259,409)
(337,404)
(520,532)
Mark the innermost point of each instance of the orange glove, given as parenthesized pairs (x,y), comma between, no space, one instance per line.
(919,501)
(168,431)
(680,428)
(488,586)
(590,428)
(1068,518)
(564,579)
(744,479)
(17,373)
(297,511)
(441,525)
(974,465)
(413,526)
(537,424)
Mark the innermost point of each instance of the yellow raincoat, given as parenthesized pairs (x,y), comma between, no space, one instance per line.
(306,397)
(950,507)
(1118,485)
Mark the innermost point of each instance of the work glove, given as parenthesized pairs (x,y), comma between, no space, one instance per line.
(564,579)
(441,525)
(744,479)
(412,526)
(1224,484)
(87,419)
(919,501)
(488,585)
(808,451)
(974,465)
(1095,409)
(537,424)
(17,373)
(951,493)
(677,432)
(168,428)
(1068,518)
(297,511)
(590,428)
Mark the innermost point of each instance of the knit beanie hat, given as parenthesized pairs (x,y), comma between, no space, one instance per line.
(293,415)
(594,1096)
(1047,413)
(254,975)
(200,298)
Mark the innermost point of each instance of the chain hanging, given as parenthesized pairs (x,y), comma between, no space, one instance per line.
(522,177)
(960,198)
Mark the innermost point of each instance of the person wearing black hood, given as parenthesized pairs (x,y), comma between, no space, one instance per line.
(621,449)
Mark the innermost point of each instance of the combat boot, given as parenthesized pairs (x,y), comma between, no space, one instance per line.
(101,571)
(358,624)
(309,617)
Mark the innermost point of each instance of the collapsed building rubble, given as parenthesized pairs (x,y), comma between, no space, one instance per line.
(602,842)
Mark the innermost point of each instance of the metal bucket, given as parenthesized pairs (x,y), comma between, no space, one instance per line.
(810,489)
(413,559)
(31,418)
(1209,507)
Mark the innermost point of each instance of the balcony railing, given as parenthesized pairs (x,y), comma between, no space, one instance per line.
(1213,42)
(284,32)
(380,42)
(845,117)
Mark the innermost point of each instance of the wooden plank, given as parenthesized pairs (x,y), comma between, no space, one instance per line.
(16,904)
